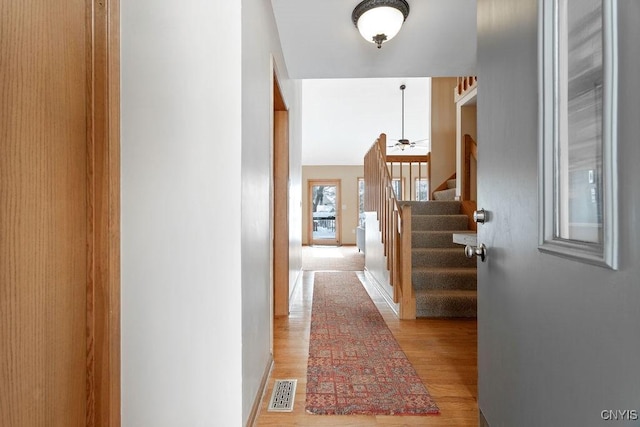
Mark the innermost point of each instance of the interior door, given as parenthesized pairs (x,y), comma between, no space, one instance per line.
(57,232)
(324,212)
(558,342)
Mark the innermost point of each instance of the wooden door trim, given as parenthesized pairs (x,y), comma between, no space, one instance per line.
(281,217)
(280,203)
(103,284)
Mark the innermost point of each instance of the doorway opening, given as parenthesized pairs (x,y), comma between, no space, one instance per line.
(280,202)
(324,212)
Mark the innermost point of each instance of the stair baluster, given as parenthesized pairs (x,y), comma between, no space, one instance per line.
(429,275)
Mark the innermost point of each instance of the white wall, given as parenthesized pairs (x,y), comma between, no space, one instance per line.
(196,169)
(376,260)
(343,117)
(261,52)
(181,259)
(295,186)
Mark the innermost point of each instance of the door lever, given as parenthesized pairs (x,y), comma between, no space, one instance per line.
(479,251)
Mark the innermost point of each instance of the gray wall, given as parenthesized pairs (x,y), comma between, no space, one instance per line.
(558,340)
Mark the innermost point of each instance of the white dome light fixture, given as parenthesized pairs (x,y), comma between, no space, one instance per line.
(380,20)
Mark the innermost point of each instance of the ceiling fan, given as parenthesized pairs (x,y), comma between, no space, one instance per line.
(403,143)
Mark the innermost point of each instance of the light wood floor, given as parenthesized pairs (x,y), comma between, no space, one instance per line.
(443,352)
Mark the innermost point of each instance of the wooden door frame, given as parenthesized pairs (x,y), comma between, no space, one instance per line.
(280,217)
(103,282)
(310,184)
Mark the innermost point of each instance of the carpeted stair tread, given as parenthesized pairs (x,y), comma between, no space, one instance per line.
(464,278)
(448,194)
(434,238)
(439,222)
(441,257)
(446,303)
(444,279)
(434,207)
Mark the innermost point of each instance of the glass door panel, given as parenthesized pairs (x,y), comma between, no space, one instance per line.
(324,200)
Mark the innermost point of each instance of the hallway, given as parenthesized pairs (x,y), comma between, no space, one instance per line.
(443,352)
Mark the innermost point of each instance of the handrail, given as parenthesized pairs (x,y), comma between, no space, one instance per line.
(468,205)
(395,224)
(470,150)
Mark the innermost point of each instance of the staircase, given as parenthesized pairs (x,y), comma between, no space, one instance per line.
(448,193)
(443,278)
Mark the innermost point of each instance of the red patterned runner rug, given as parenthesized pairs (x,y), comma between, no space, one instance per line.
(355,364)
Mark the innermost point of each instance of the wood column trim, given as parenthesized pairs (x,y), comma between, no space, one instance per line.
(281,213)
(103,285)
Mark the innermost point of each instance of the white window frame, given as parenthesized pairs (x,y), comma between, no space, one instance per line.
(604,253)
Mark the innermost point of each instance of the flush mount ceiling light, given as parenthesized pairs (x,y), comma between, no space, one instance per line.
(380,20)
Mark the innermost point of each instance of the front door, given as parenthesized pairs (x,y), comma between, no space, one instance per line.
(324,212)
(558,339)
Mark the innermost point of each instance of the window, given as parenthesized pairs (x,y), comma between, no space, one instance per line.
(578,185)
(421,186)
(398,188)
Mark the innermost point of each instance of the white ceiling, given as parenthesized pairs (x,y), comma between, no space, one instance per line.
(319,40)
(358,95)
(341,118)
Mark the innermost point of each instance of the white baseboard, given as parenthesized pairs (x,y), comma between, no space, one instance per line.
(380,288)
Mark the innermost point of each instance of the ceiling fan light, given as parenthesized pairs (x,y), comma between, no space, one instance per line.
(380,20)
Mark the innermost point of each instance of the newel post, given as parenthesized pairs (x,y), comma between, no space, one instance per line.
(408,300)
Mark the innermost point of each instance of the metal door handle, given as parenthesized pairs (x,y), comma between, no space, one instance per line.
(480,216)
(479,251)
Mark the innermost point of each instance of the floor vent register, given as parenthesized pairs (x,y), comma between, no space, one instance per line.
(284,393)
